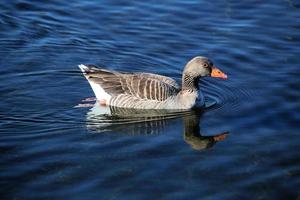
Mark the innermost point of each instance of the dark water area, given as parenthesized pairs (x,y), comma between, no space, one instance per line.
(246,146)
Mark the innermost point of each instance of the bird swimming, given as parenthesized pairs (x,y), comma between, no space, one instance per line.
(141,90)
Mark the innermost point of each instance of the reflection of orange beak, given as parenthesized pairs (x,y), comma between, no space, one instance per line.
(215,72)
(220,137)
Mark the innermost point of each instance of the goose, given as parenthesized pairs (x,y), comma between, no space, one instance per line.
(141,90)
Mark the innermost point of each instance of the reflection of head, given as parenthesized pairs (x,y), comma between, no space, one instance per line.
(199,142)
(192,134)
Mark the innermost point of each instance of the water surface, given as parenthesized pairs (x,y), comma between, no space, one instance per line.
(246,146)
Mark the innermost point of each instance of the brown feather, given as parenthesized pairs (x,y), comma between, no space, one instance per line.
(141,85)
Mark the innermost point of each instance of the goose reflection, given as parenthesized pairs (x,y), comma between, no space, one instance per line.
(137,122)
(192,135)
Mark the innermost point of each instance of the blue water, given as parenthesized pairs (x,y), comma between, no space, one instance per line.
(51,149)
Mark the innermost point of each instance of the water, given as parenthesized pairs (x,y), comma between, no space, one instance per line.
(246,146)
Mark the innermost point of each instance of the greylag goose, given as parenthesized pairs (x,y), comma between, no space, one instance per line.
(150,91)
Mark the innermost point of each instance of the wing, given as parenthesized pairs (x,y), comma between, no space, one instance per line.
(141,85)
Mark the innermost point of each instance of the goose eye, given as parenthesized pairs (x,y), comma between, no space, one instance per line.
(205,65)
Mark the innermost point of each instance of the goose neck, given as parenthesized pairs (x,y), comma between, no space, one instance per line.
(190,82)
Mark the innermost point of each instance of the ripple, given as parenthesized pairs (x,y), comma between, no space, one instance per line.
(228,98)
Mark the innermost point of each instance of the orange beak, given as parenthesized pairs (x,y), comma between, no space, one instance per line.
(215,72)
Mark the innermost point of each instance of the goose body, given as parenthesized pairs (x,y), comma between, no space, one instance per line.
(146,90)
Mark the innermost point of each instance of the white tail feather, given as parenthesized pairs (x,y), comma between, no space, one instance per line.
(97,89)
(83,68)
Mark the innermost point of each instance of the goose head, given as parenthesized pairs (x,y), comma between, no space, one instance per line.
(203,67)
